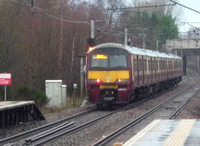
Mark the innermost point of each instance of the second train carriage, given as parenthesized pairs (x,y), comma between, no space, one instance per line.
(117,74)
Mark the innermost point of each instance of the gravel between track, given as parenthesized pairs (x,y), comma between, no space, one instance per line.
(105,126)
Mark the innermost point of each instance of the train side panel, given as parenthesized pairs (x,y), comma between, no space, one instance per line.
(145,74)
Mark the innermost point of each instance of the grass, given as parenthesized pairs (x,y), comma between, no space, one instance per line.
(74,102)
(70,103)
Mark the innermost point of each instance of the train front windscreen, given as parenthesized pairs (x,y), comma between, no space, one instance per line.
(108,59)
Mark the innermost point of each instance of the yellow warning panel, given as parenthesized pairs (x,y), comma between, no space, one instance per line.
(179,135)
(108,86)
(168,133)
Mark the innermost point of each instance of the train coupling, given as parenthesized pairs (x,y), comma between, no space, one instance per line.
(107,99)
(108,95)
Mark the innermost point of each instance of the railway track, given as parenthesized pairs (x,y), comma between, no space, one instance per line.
(48,136)
(45,137)
(61,127)
(38,129)
(134,122)
(91,122)
(183,106)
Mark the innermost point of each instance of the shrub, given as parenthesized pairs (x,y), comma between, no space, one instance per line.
(24,93)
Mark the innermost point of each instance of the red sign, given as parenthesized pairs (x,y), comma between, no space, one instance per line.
(5,78)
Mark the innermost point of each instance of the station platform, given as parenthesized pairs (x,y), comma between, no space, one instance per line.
(184,132)
(14,112)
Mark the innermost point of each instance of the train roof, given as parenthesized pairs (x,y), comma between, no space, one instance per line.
(138,51)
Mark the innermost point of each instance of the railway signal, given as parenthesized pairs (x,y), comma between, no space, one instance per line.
(90,43)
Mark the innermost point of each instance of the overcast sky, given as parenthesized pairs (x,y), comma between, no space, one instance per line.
(186,14)
(190,16)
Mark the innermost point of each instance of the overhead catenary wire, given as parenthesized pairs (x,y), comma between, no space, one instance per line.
(53,15)
(184,6)
(138,7)
(63,19)
(193,26)
(188,22)
(71,20)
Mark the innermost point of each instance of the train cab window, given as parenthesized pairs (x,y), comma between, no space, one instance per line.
(99,60)
(108,59)
(118,61)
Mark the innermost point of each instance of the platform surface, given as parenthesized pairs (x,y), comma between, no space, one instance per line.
(12,104)
(184,132)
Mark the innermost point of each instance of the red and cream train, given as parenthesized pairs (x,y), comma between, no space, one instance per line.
(118,74)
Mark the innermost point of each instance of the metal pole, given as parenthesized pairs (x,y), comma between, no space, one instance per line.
(5,93)
(92,28)
(176,52)
(143,39)
(157,45)
(126,36)
(81,76)
(185,65)
(144,45)
(181,53)
(32,4)
(198,63)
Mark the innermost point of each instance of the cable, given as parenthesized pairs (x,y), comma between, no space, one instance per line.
(141,7)
(185,6)
(193,26)
(188,22)
(53,15)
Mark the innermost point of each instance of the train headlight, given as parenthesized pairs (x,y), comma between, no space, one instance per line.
(90,49)
(95,80)
(98,80)
(122,81)
(119,80)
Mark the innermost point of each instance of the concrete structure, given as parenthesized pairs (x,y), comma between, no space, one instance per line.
(185,48)
(56,93)
(64,95)
(168,133)
(15,112)
(182,44)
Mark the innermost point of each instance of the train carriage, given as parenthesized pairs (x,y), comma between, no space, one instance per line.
(118,74)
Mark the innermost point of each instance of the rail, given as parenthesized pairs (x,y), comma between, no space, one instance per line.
(121,130)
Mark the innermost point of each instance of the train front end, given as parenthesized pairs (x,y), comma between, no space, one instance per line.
(108,75)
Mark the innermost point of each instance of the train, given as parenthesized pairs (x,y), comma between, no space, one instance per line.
(118,74)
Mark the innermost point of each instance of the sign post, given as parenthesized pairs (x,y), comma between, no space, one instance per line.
(5,79)
(5,93)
